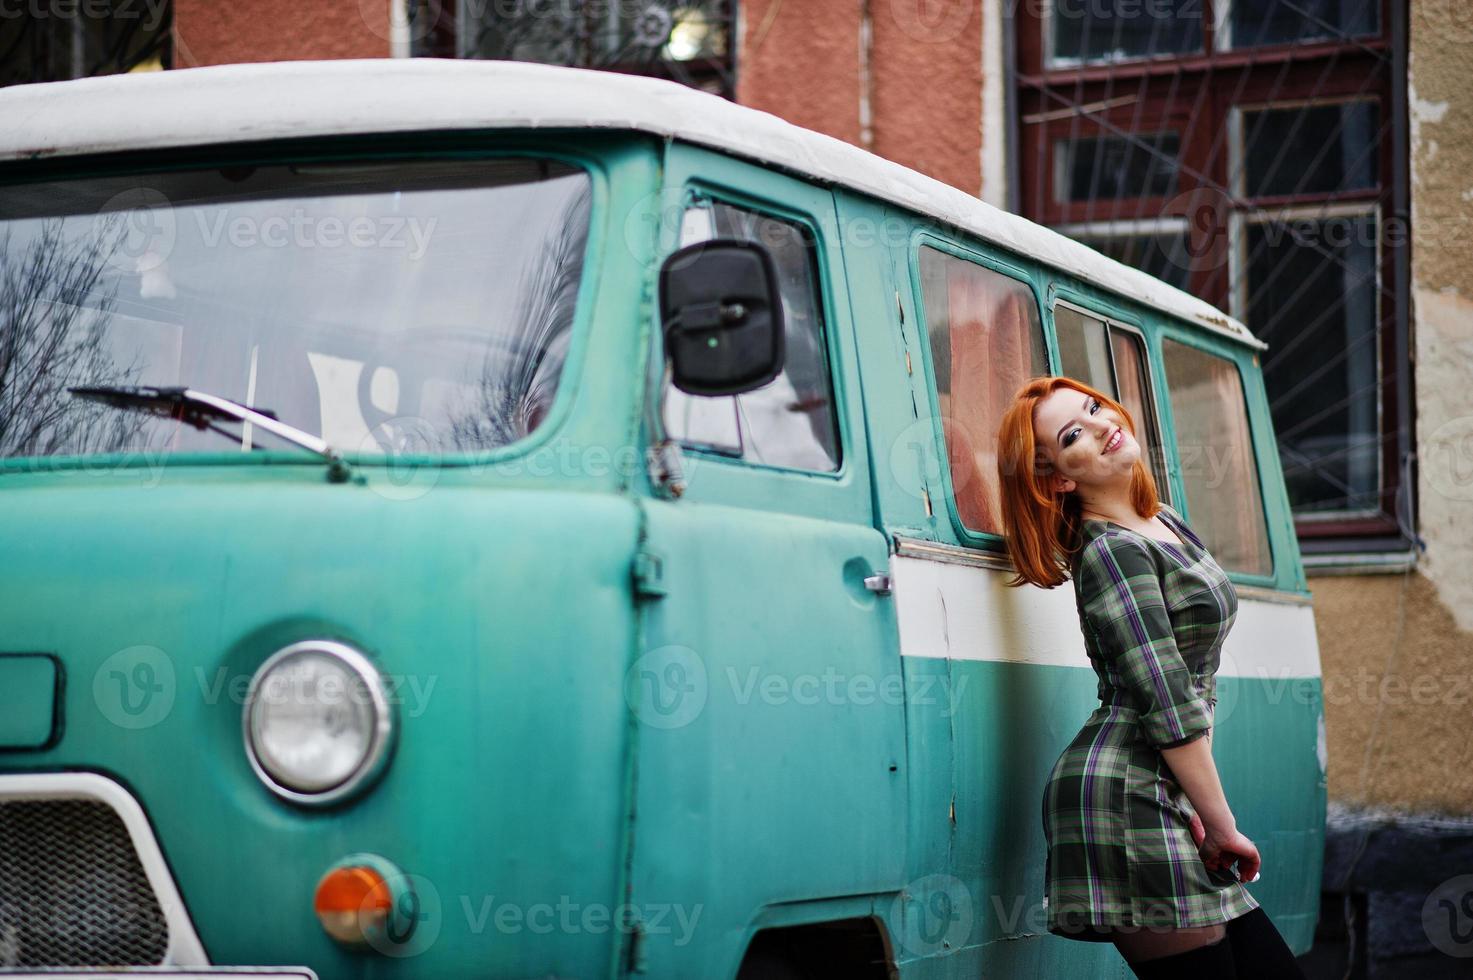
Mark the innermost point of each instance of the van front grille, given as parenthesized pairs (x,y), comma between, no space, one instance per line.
(72,890)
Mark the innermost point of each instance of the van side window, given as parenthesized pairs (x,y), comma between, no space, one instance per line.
(1219,470)
(790,420)
(1113,360)
(986,339)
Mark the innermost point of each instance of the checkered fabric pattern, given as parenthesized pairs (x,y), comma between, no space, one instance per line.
(1120,848)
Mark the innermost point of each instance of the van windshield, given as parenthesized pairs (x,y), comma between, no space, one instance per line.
(385,306)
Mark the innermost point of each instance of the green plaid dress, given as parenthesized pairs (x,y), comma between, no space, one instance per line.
(1120,848)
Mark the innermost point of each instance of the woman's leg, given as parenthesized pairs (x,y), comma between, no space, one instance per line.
(1201,953)
(1260,951)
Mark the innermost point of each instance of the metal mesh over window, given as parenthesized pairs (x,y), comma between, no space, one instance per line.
(72,890)
(48,42)
(1252,152)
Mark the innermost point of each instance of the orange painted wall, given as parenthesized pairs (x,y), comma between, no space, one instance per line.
(209,32)
(800,61)
(926,66)
(805,63)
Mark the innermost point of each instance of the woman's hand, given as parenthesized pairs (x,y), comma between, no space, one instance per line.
(1219,847)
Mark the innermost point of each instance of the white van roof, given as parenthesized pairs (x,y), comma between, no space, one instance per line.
(272,100)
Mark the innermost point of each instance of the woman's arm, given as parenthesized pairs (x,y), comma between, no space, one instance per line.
(1195,770)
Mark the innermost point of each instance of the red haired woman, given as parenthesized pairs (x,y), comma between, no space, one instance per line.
(1141,841)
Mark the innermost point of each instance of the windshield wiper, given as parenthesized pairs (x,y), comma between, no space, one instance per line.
(200,409)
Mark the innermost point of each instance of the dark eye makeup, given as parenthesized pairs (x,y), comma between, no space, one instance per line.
(1069,436)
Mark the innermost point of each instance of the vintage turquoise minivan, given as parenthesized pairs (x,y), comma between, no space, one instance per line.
(478,519)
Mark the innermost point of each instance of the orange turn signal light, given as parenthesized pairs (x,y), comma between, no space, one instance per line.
(352,903)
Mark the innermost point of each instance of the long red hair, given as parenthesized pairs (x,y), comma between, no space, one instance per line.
(1040,527)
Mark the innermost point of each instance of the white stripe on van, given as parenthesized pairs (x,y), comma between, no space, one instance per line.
(962,612)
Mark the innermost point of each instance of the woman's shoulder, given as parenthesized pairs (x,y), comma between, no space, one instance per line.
(1113,541)
(1114,553)
(1175,514)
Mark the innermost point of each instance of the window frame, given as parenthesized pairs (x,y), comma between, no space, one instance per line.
(1154,380)
(1052,63)
(356,148)
(1255,421)
(1131,228)
(1237,247)
(966,537)
(1222,29)
(1238,151)
(696,191)
(1216,18)
(1059,161)
(1115,98)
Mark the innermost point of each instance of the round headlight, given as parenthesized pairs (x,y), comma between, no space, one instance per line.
(317,721)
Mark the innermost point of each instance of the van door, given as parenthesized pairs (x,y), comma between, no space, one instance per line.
(767,691)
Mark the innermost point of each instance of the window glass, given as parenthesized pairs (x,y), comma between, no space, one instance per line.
(986,339)
(1084,348)
(1114,361)
(1219,471)
(45,42)
(1110,30)
(790,420)
(385,306)
(1310,149)
(1164,255)
(596,34)
(1312,280)
(1111,166)
(1133,384)
(1257,22)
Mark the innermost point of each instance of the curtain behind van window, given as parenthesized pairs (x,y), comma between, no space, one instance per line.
(1114,361)
(1219,470)
(986,340)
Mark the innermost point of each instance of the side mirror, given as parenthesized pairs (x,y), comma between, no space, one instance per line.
(722,317)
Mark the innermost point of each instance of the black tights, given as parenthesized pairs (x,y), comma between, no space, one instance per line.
(1251,948)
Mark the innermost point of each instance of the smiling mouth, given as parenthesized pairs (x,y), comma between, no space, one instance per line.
(1116,438)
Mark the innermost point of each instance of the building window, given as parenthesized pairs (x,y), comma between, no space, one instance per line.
(688,41)
(1159,247)
(1242,150)
(1250,23)
(985,340)
(1113,167)
(49,42)
(1088,31)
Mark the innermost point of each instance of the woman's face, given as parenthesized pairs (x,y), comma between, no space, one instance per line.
(1077,434)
